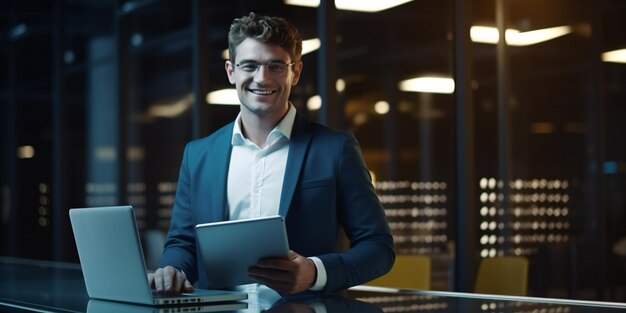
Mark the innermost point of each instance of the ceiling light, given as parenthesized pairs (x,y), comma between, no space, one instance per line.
(314,103)
(171,109)
(353,5)
(25,152)
(428,84)
(340,85)
(617,56)
(224,96)
(368,5)
(516,38)
(486,34)
(303,3)
(310,45)
(381,107)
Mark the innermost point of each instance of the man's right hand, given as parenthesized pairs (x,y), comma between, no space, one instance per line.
(169,280)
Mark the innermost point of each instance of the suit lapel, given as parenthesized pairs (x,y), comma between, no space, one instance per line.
(219,174)
(300,139)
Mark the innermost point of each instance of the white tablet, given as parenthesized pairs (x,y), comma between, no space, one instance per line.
(229,248)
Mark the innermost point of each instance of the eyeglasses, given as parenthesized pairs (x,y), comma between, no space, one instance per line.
(276,68)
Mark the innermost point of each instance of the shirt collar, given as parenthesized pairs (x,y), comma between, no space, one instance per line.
(283,129)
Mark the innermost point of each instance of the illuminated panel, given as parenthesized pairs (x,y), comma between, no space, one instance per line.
(167,194)
(43,211)
(522,307)
(539,215)
(417,215)
(429,303)
(100,194)
(137,198)
(408,303)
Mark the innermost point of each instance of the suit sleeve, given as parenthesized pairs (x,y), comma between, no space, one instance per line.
(362,216)
(180,246)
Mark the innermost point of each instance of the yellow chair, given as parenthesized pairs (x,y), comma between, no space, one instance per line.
(505,275)
(408,272)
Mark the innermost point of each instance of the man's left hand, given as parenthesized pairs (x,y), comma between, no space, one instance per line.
(287,276)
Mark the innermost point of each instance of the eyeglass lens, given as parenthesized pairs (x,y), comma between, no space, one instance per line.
(276,68)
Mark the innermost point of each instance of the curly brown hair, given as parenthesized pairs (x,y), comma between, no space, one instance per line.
(266,29)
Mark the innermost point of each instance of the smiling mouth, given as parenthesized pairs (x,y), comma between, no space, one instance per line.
(261,92)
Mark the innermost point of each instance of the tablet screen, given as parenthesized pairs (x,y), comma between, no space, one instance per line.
(229,248)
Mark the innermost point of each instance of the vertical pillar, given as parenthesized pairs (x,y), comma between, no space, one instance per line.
(58,207)
(425,137)
(465,204)
(123,87)
(504,116)
(9,183)
(391,126)
(595,183)
(199,67)
(330,113)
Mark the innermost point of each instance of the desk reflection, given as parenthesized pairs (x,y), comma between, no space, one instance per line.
(315,305)
(32,285)
(335,304)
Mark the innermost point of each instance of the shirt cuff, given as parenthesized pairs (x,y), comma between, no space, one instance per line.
(320,281)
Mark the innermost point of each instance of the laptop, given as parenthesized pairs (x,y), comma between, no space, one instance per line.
(249,240)
(112,260)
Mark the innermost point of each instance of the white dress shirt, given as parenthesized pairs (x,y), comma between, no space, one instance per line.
(255,179)
(255,175)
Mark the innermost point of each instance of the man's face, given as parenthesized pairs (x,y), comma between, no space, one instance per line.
(263,90)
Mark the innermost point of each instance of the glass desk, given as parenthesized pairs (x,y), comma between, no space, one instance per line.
(41,286)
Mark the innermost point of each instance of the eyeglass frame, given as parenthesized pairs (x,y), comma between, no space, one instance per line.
(259,65)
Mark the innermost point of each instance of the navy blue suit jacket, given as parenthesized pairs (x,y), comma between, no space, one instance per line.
(326,188)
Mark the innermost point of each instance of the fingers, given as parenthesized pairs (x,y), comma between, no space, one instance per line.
(158,280)
(187,287)
(177,282)
(169,280)
(291,275)
(272,274)
(289,264)
(293,255)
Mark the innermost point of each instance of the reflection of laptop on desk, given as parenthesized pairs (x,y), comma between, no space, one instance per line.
(103,306)
(112,260)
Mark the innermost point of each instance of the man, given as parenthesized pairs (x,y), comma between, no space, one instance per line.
(270,161)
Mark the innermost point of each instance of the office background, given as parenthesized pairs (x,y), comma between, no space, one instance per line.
(478,148)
